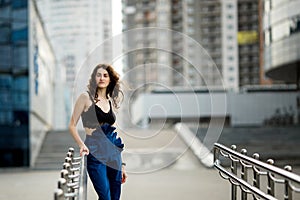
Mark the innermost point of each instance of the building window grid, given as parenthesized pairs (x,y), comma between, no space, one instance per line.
(14,68)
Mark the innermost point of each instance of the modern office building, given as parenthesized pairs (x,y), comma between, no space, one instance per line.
(75,29)
(26,82)
(282,40)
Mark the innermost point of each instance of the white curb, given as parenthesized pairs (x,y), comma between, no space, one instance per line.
(200,151)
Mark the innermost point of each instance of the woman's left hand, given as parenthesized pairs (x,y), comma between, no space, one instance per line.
(124,174)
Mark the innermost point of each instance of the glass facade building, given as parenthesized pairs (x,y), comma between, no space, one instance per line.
(24,78)
(14,84)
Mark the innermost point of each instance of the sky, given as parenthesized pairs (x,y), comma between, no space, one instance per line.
(117,17)
(117,29)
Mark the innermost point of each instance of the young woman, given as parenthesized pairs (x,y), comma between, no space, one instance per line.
(102,146)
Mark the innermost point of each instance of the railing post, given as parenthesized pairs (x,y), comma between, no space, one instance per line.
(256,175)
(271,182)
(59,194)
(62,184)
(288,193)
(233,167)
(244,174)
(275,175)
(72,183)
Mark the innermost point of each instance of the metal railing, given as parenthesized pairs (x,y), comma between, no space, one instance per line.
(72,183)
(254,177)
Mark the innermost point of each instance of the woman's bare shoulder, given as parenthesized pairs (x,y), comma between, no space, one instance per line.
(84,97)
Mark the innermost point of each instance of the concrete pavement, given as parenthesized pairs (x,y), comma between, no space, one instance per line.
(159,165)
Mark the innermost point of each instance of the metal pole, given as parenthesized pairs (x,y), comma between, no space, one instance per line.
(244,174)
(82,195)
(270,187)
(233,167)
(288,193)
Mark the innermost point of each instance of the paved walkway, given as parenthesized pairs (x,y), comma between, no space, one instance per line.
(159,166)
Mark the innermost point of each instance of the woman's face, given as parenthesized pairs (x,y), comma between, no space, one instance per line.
(102,78)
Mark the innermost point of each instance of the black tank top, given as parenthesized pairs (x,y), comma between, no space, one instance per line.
(95,116)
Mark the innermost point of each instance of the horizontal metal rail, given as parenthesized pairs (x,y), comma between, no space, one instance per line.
(244,163)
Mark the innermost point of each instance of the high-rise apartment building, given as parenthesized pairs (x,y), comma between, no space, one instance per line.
(75,29)
(248,41)
(227,30)
(142,62)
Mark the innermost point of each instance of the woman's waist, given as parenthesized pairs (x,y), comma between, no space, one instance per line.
(101,127)
(90,129)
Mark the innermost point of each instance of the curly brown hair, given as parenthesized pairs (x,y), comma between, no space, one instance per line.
(113,89)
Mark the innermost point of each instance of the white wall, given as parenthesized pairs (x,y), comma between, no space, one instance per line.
(41,81)
(244,109)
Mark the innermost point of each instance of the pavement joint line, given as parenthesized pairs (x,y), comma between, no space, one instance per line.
(154,150)
(197,147)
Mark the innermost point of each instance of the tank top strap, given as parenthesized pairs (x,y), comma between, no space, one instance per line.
(110,105)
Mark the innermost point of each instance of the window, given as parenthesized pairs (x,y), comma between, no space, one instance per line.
(4,34)
(229,6)
(230,58)
(295,24)
(19,4)
(20,35)
(5,57)
(229,26)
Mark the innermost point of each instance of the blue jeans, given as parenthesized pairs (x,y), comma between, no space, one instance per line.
(106,179)
(104,162)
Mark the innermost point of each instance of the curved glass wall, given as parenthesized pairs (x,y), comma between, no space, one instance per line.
(282,39)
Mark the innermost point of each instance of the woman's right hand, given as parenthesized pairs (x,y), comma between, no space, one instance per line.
(84,150)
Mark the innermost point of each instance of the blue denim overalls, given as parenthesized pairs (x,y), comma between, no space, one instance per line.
(104,162)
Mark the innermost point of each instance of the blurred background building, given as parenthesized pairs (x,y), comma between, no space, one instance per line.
(281,29)
(254,50)
(43,44)
(75,29)
(228,30)
(250,48)
(26,83)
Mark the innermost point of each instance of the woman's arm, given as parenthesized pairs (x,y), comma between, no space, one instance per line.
(78,109)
